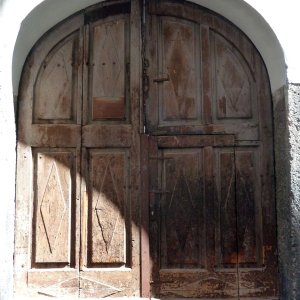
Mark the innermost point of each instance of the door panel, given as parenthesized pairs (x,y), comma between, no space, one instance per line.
(208,94)
(200,74)
(110,143)
(108,176)
(248,191)
(206,229)
(182,210)
(178,98)
(78,158)
(174,80)
(234,94)
(234,83)
(48,181)
(57,84)
(108,79)
(239,226)
(225,207)
(55,193)
(183,222)
(62,283)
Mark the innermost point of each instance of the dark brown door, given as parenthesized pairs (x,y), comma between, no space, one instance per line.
(211,191)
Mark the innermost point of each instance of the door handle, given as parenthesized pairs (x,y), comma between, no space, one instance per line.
(164,77)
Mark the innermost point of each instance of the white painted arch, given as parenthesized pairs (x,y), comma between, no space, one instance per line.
(49,12)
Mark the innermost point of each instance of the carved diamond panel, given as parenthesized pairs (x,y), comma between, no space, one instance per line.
(105,206)
(182,209)
(107,236)
(226,234)
(52,206)
(234,83)
(179,61)
(91,287)
(61,289)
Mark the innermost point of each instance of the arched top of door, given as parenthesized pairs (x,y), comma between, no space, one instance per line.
(237,11)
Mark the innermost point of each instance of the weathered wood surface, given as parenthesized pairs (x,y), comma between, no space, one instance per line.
(78,159)
(48,165)
(208,110)
(110,140)
(164,189)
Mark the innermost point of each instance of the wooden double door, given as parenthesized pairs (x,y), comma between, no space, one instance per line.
(145,158)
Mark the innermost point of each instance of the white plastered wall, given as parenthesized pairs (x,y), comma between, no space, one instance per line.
(22,23)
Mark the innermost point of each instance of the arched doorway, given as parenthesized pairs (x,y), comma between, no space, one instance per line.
(191,94)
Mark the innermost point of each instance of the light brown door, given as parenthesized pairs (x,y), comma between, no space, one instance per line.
(211,187)
(110,145)
(78,158)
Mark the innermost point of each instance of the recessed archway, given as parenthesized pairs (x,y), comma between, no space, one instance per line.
(276,81)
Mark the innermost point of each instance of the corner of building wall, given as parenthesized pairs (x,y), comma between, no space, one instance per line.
(7,187)
(294,142)
(286,107)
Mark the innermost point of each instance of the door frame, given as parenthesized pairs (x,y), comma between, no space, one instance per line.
(279,99)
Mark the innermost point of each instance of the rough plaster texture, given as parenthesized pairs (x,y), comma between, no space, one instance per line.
(7,164)
(7,187)
(283,179)
(29,19)
(294,136)
(286,103)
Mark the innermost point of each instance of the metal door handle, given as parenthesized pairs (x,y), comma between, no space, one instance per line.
(165,77)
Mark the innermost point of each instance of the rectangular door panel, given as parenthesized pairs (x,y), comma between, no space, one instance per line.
(54,284)
(238,209)
(257,260)
(178,96)
(248,190)
(174,73)
(108,74)
(183,200)
(182,218)
(55,232)
(225,209)
(108,207)
(54,202)
(96,283)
